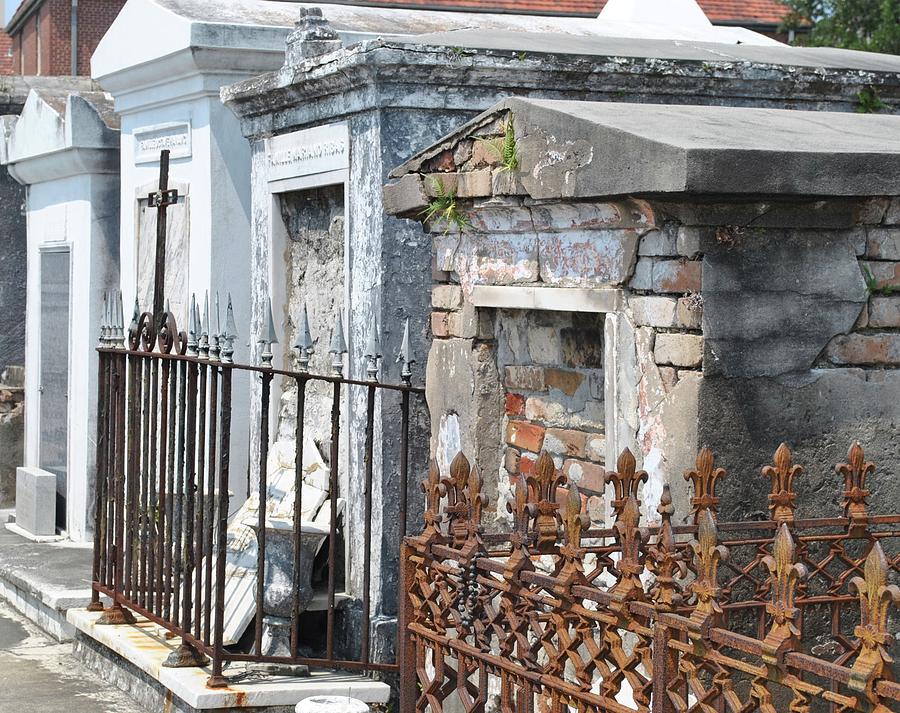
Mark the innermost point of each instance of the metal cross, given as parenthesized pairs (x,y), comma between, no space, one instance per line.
(161,200)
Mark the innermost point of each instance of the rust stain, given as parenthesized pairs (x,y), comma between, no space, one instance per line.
(167,706)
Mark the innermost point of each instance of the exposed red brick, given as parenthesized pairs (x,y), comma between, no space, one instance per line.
(527,462)
(515,405)
(886,274)
(525,435)
(48,27)
(677,275)
(6,54)
(589,476)
(862,349)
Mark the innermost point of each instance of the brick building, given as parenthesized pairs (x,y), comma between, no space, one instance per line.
(764,16)
(57,37)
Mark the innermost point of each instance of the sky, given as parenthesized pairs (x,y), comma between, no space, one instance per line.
(11,6)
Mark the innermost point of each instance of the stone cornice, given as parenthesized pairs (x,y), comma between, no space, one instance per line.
(380,74)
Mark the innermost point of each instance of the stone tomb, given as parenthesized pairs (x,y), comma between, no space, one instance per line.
(739,262)
(65,149)
(404,91)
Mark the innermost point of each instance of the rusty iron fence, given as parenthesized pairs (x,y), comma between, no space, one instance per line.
(784,615)
(164,436)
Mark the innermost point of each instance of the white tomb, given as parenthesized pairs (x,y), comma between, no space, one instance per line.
(65,149)
(164,66)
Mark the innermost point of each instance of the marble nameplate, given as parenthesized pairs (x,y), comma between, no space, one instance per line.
(150,140)
(308,152)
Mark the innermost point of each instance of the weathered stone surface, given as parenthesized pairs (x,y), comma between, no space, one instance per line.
(595,448)
(872,211)
(892,216)
(588,476)
(886,274)
(34,489)
(446,297)
(12,269)
(653,311)
(772,304)
(500,219)
(564,380)
(565,442)
(884,311)
(865,349)
(552,217)
(528,378)
(799,213)
(687,242)
(406,196)
(883,244)
(440,326)
(689,312)
(587,258)
(667,276)
(819,415)
(474,184)
(684,350)
(489,259)
(658,242)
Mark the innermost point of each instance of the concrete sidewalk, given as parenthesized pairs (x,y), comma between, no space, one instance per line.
(44,580)
(39,675)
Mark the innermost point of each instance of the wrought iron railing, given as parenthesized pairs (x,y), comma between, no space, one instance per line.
(164,440)
(787,614)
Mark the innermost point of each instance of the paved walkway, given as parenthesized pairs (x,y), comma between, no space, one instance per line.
(39,675)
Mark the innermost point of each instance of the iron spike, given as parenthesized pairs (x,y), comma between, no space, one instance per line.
(269,336)
(373,352)
(215,336)
(193,327)
(405,357)
(229,335)
(120,320)
(304,344)
(338,346)
(204,328)
(103,313)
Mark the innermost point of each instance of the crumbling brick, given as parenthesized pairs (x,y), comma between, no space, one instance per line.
(883,243)
(884,312)
(527,378)
(446,297)
(565,442)
(588,476)
(685,350)
(515,405)
(525,435)
(865,349)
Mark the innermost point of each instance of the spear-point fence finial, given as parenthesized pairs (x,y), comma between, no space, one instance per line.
(373,353)
(338,346)
(216,334)
(204,328)
(193,328)
(229,335)
(405,357)
(268,336)
(304,344)
(118,334)
(104,321)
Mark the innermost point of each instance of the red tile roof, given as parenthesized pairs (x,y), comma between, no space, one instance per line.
(746,12)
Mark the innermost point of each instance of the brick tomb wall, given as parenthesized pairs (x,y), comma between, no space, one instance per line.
(875,339)
(551,365)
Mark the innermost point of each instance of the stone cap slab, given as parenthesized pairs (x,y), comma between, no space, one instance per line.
(61,132)
(578,150)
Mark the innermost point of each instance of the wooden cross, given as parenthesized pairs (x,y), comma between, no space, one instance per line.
(161,200)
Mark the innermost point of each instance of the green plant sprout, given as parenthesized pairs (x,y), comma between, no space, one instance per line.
(443,208)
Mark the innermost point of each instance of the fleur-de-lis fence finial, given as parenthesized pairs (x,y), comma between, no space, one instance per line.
(104,321)
(405,357)
(855,472)
(268,337)
(708,553)
(665,560)
(876,597)
(304,344)
(786,575)
(704,479)
(464,501)
(542,503)
(574,522)
(434,492)
(782,474)
(373,353)
(626,480)
(338,346)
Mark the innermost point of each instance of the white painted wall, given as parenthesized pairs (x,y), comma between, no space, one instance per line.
(79,212)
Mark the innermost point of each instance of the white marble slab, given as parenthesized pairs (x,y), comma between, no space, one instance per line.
(36,501)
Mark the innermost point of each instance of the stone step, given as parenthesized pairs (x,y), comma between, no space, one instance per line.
(131,656)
